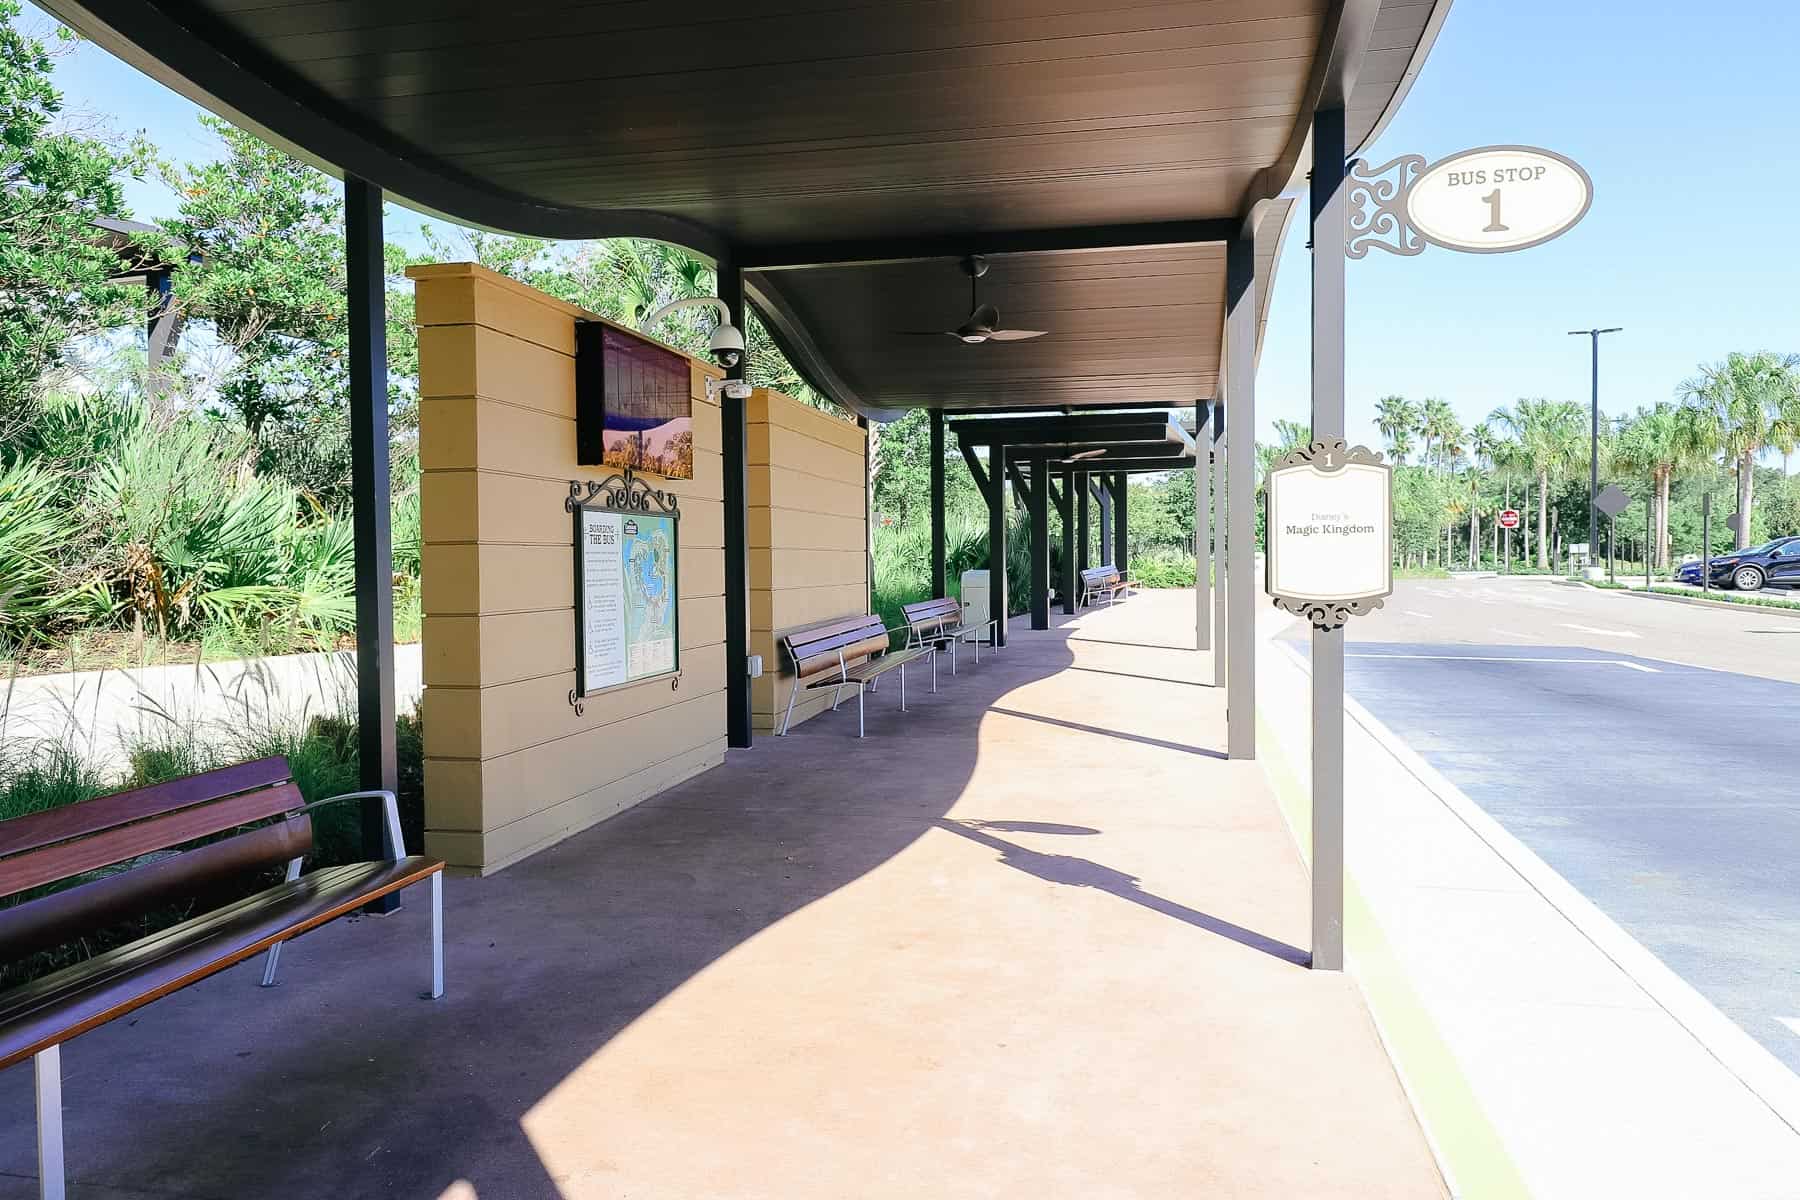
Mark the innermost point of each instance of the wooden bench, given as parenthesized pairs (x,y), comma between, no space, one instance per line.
(848,652)
(268,823)
(939,623)
(1098,581)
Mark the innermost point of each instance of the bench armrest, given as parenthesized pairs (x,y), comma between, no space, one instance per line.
(390,813)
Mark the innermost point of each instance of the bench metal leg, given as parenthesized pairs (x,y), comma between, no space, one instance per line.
(903,682)
(789,715)
(933,676)
(274,958)
(859,709)
(48,1065)
(437,936)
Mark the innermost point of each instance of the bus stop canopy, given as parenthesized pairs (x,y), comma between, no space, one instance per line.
(843,157)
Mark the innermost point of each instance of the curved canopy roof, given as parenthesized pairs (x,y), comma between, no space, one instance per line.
(845,154)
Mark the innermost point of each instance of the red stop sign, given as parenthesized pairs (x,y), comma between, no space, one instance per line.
(1509,518)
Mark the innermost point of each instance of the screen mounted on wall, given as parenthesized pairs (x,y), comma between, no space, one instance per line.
(634,403)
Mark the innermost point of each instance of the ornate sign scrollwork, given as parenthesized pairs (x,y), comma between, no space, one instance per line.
(624,492)
(1377,204)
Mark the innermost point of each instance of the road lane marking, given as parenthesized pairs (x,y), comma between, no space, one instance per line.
(1507,658)
(1413,612)
(1625,633)
(1514,633)
(1792,1023)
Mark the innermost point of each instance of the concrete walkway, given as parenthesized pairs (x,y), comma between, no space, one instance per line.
(1034,938)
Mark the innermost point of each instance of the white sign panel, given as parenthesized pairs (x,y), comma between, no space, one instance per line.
(626,597)
(1330,533)
(1498,198)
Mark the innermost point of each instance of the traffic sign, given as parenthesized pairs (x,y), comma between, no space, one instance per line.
(1509,518)
(1612,500)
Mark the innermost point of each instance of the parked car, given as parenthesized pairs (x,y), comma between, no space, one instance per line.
(1772,564)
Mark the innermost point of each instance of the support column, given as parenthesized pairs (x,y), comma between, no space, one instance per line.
(1082,530)
(1203,616)
(997,518)
(734,438)
(378,763)
(939,584)
(1121,523)
(1221,639)
(1068,582)
(1106,537)
(1328,231)
(1240,478)
(1038,501)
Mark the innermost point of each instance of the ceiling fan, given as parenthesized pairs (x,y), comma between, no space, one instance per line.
(983,324)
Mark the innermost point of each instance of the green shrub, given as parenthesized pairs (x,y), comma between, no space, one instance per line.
(1164,568)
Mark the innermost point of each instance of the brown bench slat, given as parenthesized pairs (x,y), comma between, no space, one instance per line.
(47,921)
(121,808)
(47,864)
(807,642)
(930,610)
(887,662)
(806,666)
(72,1001)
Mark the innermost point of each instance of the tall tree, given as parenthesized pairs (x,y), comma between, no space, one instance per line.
(54,266)
(1742,406)
(1440,429)
(1398,419)
(1548,435)
(1660,442)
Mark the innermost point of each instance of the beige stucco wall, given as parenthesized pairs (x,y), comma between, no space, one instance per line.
(808,537)
(509,766)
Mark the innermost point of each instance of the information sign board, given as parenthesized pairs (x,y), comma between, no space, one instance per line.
(627,584)
(1330,519)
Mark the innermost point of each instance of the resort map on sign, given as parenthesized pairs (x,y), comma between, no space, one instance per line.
(628,594)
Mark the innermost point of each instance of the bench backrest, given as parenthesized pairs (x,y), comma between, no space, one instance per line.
(929,616)
(815,649)
(62,843)
(1095,575)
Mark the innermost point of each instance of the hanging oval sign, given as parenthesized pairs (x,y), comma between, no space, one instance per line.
(1498,198)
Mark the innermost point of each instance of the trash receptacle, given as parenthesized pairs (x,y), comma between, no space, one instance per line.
(976,613)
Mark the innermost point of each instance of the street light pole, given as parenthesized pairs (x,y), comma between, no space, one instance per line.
(1593,335)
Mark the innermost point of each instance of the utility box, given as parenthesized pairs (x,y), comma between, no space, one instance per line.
(976,610)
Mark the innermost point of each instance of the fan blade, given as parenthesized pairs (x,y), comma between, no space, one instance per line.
(1016,335)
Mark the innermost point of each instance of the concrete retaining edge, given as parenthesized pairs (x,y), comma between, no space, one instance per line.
(1792,614)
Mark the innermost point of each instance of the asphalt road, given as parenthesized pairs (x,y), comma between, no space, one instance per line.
(1649,752)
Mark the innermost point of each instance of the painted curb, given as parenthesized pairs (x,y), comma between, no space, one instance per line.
(1470,1153)
(1766,1077)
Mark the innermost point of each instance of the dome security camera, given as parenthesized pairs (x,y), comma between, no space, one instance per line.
(727,345)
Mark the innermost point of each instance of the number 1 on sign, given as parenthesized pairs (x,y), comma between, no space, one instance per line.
(1492,200)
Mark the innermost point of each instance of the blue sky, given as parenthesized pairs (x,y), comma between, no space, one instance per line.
(1683,124)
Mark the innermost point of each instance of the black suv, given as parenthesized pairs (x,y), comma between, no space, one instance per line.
(1772,564)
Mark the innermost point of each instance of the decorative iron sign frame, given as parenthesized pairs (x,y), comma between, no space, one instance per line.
(628,494)
(1330,458)
(1378,200)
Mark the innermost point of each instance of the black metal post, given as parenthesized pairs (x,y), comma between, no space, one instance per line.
(734,440)
(1706,542)
(1104,496)
(939,584)
(1083,529)
(1593,336)
(1121,525)
(1038,502)
(1329,220)
(366,303)
(997,517)
(1067,581)
(1612,526)
(1202,526)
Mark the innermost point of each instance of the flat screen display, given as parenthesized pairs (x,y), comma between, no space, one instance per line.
(634,407)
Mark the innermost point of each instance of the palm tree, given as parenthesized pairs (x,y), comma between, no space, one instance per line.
(1397,418)
(1741,406)
(1437,421)
(1549,434)
(1661,442)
